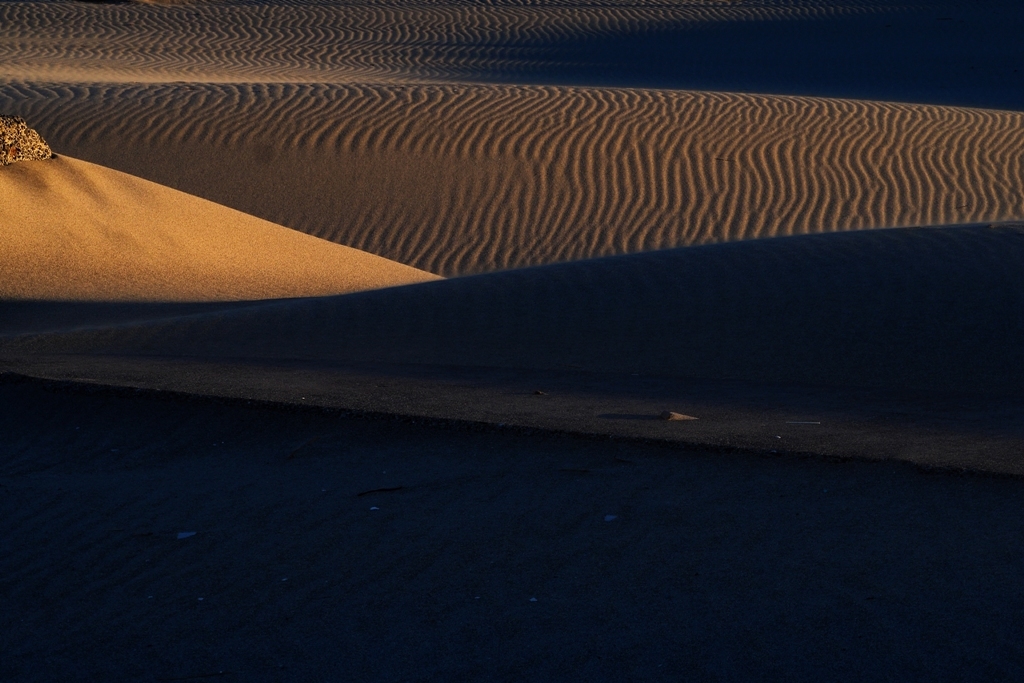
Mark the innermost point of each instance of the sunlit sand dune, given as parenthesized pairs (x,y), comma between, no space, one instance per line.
(76,231)
(469,179)
(915,309)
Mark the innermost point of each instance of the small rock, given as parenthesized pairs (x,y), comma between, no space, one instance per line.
(669,415)
(538,392)
(18,142)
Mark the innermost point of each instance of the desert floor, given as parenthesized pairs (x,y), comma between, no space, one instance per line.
(335,336)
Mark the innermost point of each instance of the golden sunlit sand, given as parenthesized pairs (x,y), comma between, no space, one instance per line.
(74,231)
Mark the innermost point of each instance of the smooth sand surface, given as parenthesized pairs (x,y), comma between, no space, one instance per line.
(493,561)
(909,309)
(74,231)
(469,179)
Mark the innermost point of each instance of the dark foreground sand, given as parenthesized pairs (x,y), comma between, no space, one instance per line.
(714,568)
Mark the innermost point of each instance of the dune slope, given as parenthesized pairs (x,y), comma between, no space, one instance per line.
(331,42)
(913,309)
(469,179)
(954,52)
(76,231)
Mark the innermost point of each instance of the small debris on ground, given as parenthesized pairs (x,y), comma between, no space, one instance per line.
(610,518)
(185,534)
(670,416)
(538,392)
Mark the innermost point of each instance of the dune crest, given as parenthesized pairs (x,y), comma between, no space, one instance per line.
(74,231)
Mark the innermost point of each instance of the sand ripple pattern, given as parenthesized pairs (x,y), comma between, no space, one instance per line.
(467,179)
(334,42)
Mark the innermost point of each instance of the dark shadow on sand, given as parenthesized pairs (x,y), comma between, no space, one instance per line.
(963,55)
(627,416)
(153,538)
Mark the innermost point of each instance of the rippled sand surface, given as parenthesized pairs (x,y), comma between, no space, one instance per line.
(341,41)
(470,179)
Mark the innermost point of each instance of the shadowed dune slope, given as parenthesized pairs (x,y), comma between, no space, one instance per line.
(332,42)
(913,309)
(469,179)
(76,231)
(33,316)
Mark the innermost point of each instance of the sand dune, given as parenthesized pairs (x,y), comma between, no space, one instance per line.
(458,178)
(233,447)
(468,179)
(915,309)
(942,52)
(76,231)
(327,42)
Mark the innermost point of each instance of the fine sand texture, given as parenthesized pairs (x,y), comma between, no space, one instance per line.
(74,231)
(460,179)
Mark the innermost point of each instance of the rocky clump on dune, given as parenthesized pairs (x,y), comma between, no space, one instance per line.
(18,142)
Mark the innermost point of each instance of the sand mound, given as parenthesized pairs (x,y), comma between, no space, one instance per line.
(469,179)
(76,231)
(915,309)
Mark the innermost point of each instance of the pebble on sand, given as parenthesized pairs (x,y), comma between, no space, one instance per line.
(668,415)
